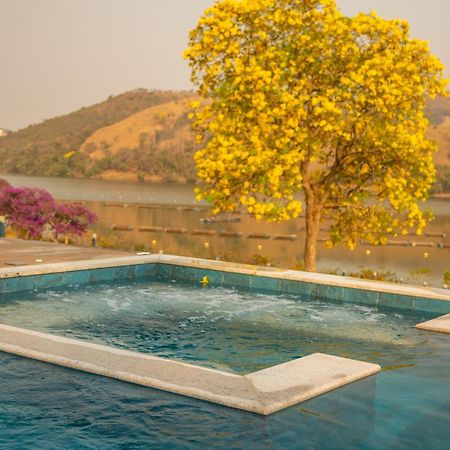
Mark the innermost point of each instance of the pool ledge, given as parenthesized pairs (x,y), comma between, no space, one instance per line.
(378,288)
(264,392)
(309,277)
(439,325)
(73,266)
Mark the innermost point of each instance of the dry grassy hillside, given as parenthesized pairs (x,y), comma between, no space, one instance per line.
(441,134)
(144,135)
(162,132)
(438,112)
(155,144)
(129,133)
(41,149)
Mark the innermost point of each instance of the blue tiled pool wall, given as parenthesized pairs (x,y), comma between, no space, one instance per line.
(169,272)
(78,277)
(194,275)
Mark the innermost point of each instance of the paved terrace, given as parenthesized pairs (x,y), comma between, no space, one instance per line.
(18,252)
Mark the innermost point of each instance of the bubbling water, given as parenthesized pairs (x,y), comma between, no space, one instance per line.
(217,327)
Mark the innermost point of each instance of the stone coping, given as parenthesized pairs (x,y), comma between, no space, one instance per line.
(263,392)
(311,277)
(439,325)
(72,266)
(324,279)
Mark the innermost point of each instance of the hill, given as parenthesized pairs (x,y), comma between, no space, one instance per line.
(155,144)
(143,135)
(438,112)
(43,149)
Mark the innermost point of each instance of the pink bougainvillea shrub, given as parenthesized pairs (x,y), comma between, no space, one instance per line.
(71,219)
(32,212)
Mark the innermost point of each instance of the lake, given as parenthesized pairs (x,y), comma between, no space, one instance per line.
(139,207)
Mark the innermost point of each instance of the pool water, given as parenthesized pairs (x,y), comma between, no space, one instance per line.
(218,327)
(48,407)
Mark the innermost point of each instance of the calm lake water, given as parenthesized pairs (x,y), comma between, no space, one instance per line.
(98,190)
(137,205)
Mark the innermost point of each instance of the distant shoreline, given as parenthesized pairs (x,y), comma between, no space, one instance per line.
(441,196)
(188,184)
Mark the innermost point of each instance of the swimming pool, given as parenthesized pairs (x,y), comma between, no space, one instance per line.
(407,405)
(222,328)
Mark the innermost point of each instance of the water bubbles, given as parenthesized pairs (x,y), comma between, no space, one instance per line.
(215,325)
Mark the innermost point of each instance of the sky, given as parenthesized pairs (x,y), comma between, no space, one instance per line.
(59,55)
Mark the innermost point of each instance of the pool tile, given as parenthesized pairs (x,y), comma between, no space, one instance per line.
(48,280)
(100,275)
(25,283)
(184,273)
(165,272)
(266,284)
(146,270)
(237,280)
(326,292)
(433,306)
(360,296)
(8,285)
(16,284)
(295,287)
(124,273)
(396,301)
(74,278)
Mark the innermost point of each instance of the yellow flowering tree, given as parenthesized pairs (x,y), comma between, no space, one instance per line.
(302,99)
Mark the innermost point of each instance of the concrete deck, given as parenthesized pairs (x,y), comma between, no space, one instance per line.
(439,325)
(18,252)
(263,392)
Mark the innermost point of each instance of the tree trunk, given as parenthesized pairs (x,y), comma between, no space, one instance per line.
(312,231)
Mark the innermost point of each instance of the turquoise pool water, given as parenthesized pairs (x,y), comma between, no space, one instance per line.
(218,327)
(42,406)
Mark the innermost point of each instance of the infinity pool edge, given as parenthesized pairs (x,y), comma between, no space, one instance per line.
(264,392)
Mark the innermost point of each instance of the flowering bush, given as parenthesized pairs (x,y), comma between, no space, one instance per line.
(70,219)
(33,212)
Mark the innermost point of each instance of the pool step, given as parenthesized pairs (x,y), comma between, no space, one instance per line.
(264,392)
(439,325)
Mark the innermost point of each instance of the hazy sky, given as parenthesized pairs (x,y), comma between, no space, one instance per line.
(59,55)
